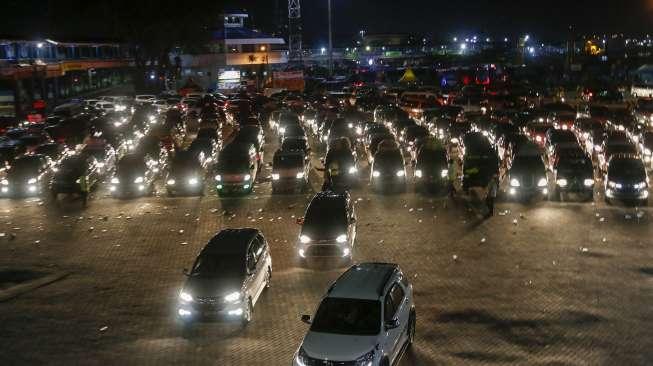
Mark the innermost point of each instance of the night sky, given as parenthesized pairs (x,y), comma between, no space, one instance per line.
(439,19)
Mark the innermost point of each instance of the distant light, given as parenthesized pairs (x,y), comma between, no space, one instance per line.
(505,39)
(455,39)
(152,76)
(370,62)
(463,46)
(531,50)
(263,48)
(368,48)
(39,45)
(323,50)
(487,40)
(526,38)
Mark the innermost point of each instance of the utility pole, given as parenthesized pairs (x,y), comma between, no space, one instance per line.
(330,42)
(294,30)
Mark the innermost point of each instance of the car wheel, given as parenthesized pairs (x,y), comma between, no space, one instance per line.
(247,313)
(268,278)
(411,328)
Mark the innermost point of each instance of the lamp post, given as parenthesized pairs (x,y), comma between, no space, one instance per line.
(267,62)
(330,41)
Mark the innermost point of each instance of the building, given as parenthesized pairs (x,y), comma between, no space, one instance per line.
(44,72)
(236,55)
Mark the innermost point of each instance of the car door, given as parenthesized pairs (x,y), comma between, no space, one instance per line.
(390,335)
(351,217)
(402,313)
(254,269)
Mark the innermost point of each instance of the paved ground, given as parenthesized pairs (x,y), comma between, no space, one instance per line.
(540,284)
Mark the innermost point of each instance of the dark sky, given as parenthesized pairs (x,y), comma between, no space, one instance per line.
(440,19)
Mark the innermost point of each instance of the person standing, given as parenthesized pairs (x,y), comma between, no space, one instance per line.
(83,188)
(492,190)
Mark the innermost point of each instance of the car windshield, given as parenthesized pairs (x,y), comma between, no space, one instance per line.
(577,166)
(27,164)
(232,161)
(293,144)
(348,316)
(211,266)
(326,216)
(628,169)
(288,161)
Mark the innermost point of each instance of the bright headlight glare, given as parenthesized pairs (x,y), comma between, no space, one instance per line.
(640,185)
(304,239)
(247,177)
(514,182)
(588,182)
(376,174)
(418,173)
(341,238)
(275,176)
(353,170)
(138,180)
(232,297)
(185,296)
(192,181)
(444,173)
(171,182)
(300,175)
(401,173)
(31,181)
(561,182)
(542,182)
(218,177)
(115,180)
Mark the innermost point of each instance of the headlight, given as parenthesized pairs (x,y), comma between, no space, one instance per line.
(185,296)
(282,130)
(418,173)
(365,359)
(275,176)
(647,151)
(232,297)
(171,182)
(353,170)
(301,359)
(115,180)
(401,173)
(598,148)
(640,185)
(341,238)
(247,177)
(218,177)
(444,173)
(588,182)
(615,185)
(561,182)
(304,239)
(138,180)
(100,165)
(538,138)
(192,181)
(300,175)
(4,182)
(455,141)
(514,182)
(359,131)
(376,174)
(542,182)
(31,181)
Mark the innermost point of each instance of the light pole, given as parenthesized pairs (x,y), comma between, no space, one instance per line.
(330,42)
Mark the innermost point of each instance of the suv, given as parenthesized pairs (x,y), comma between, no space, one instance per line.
(366,318)
(626,180)
(328,227)
(228,277)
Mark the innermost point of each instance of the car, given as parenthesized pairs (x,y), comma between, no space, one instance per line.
(227,277)
(645,147)
(367,317)
(480,161)
(388,171)
(186,174)
(237,169)
(135,175)
(206,150)
(290,171)
(295,131)
(626,180)
(28,175)
(573,174)
(296,145)
(340,165)
(252,135)
(527,175)
(145,99)
(56,152)
(103,152)
(432,168)
(67,176)
(328,227)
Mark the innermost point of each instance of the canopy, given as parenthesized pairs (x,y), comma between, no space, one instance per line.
(409,76)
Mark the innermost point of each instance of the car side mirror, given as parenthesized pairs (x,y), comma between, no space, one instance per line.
(392,324)
(300,221)
(306,319)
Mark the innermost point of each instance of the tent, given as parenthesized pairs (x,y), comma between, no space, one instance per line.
(409,76)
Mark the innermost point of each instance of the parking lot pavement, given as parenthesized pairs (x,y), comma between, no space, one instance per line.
(541,284)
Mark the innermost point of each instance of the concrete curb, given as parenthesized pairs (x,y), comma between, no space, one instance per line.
(18,290)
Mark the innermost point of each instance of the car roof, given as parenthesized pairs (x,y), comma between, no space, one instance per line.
(363,281)
(231,241)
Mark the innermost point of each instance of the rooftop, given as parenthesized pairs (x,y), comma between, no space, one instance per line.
(363,281)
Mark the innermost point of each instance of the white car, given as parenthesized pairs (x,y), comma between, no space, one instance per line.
(145,99)
(367,318)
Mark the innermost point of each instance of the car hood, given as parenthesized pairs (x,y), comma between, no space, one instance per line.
(19,176)
(212,287)
(337,347)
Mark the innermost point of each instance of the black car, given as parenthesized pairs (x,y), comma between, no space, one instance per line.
(135,175)
(252,135)
(573,174)
(295,131)
(341,168)
(227,277)
(66,179)
(28,175)
(388,172)
(291,144)
(205,150)
(290,170)
(626,180)
(527,175)
(480,161)
(328,227)
(186,174)
(237,168)
(104,153)
(52,150)
(10,149)
(432,168)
